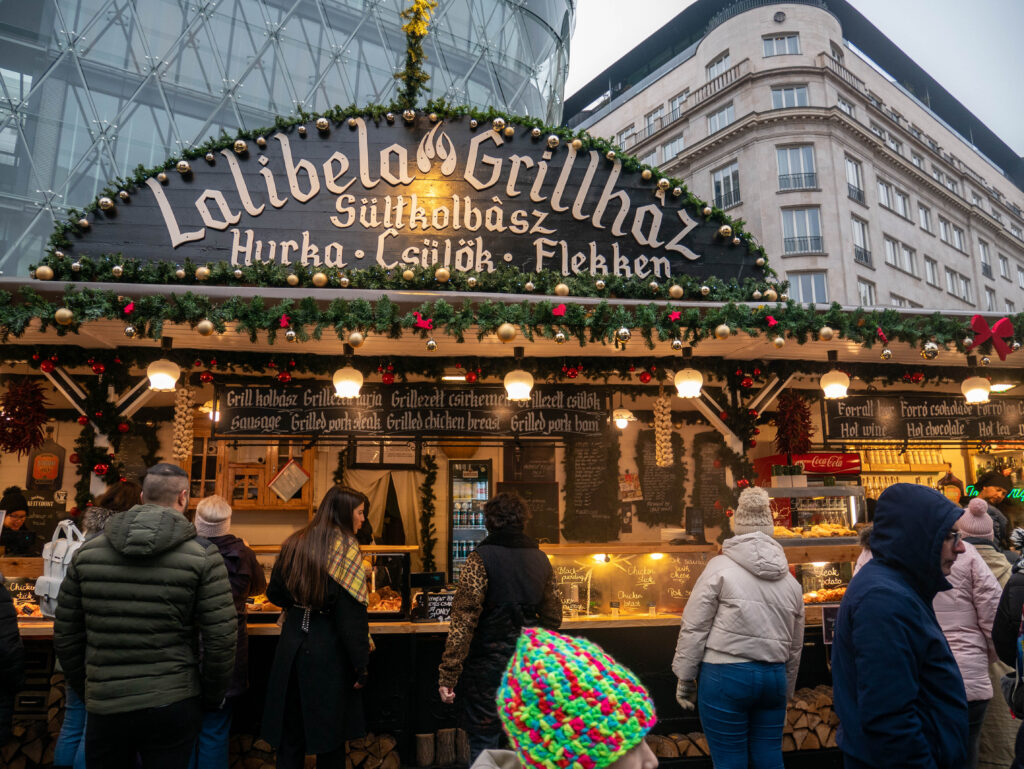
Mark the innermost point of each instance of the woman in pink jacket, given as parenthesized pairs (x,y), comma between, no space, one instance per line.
(965,614)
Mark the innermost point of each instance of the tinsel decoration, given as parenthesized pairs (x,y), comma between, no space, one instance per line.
(413,78)
(428,532)
(184,400)
(793,425)
(663,431)
(24,413)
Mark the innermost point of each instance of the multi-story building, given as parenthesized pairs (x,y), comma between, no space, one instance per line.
(860,191)
(90,89)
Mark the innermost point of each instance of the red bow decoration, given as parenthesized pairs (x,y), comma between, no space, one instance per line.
(1000,330)
(881,335)
(675,315)
(285,321)
(129,308)
(559,311)
(422,322)
(772,323)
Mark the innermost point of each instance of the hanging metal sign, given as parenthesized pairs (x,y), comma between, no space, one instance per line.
(398,194)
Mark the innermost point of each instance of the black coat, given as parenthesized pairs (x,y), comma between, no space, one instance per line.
(12,662)
(1006,625)
(324,664)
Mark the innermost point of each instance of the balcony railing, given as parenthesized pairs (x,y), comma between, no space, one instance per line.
(861,255)
(809,244)
(855,193)
(841,72)
(798,181)
(986,270)
(728,200)
(715,85)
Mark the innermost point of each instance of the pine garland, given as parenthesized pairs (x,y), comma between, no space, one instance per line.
(339,471)
(413,78)
(428,532)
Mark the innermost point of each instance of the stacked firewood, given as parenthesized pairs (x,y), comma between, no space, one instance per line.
(446,747)
(373,752)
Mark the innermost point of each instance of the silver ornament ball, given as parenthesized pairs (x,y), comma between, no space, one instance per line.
(886,353)
(623,335)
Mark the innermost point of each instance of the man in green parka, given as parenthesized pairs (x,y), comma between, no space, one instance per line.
(136,606)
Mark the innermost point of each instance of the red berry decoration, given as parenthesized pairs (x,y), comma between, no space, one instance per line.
(645,376)
(757,431)
(572,373)
(632,368)
(206,376)
(75,511)
(213,362)
(271,365)
(101,469)
(565,369)
(123,427)
(74,458)
(284,376)
(98,415)
(471,376)
(729,513)
(123,479)
(83,420)
(35,356)
(743,483)
(746,382)
(98,368)
(390,367)
(54,357)
(47,366)
(387,378)
(757,372)
(739,372)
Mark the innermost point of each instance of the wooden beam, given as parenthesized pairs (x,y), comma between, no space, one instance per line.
(134,399)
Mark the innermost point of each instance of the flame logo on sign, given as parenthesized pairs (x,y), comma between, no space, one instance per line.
(437,145)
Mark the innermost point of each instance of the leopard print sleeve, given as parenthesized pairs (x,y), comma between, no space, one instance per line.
(466,608)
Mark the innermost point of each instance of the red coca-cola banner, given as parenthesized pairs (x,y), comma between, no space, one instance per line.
(824,463)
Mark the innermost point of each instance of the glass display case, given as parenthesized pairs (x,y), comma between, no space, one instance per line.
(469,488)
(822,512)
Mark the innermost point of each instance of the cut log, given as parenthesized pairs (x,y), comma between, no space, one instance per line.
(662,746)
(444,752)
(33,750)
(811,742)
(462,747)
(799,735)
(823,730)
(825,713)
(787,728)
(348,762)
(391,761)
(696,738)
(358,756)
(833,719)
(831,741)
(702,743)
(425,749)
(801,705)
(788,744)
(801,722)
(793,715)
(813,719)
(372,762)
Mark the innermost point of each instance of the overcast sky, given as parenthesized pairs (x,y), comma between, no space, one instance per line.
(973,49)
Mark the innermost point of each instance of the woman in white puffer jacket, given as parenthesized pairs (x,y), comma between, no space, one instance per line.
(741,636)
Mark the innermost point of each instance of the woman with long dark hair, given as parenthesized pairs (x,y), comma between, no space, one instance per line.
(313,703)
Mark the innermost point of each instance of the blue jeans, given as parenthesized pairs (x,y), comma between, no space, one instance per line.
(743,709)
(70,748)
(478,743)
(212,745)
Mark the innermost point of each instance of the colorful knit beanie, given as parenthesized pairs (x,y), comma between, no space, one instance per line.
(566,704)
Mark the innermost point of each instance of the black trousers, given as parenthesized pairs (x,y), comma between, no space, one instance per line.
(162,737)
(291,753)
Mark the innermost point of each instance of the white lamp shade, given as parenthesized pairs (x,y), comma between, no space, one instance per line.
(518,385)
(688,383)
(622,417)
(835,384)
(163,375)
(976,389)
(347,382)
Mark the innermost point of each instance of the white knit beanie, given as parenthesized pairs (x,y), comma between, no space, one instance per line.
(753,513)
(213,516)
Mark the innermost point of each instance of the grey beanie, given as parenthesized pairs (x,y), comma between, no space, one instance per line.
(753,513)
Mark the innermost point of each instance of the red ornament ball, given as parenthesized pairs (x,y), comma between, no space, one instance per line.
(101,468)
(752,443)
(284,376)
(632,368)
(206,376)
(123,427)
(197,363)
(390,367)
(89,361)
(757,372)
(75,511)
(54,357)
(746,382)
(458,365)
(757,431)
(645,376)
(271,365)
(752,412)
(98,368)
(387,378)
(213,362)
(723,414)
(83,420)
(739,372)
(743,483)
(471,376)
(572,373)
(74,458)
(47,366)
(35,356)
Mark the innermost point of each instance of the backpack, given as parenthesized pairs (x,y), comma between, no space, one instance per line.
(57,555)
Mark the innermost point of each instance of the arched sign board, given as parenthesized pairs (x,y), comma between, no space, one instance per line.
(398,194)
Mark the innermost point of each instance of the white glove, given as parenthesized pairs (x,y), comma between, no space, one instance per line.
(686,695)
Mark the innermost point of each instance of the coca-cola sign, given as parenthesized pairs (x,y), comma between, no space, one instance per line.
(822,463)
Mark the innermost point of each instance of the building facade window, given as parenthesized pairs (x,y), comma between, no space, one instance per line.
(959,286)
(1016,232)
(1004,267)
(678,104)
(625,136)
(719,120)
(959,241)
(901,203)
(845,106)
(931,271)
(672,148)
(1010,307)
(901,256)
(990,300)
(789,96)
(650,159)
(894,144)
(779,45)
(652,121)
(901,301)
(725,182)
(945,231)
(866,292)
(861,246)
(718,66)
(801,231)
(1020,277)
(854,180)
(916,159)
(796,168)
(924,217)
(986,259)
(884,194)
(808,287)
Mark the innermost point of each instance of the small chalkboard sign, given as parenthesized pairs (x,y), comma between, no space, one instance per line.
(439,606)
(22,590)
(828,623)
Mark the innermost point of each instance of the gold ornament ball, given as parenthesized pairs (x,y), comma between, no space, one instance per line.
(390,117)
(471,282)
(705,290)
(130,331)
(473,123)
(498,123)
(352,122)
(117,271)
(106,203)
(677,191)
(722,331)
(237,273)
(784,298)
(123,194)
(930,351)
(779,342)
(261,141)
(184,167)
(771,295)
(599,284)
(756,295)
(202,273)
(707,210)
(343,281)
(84,223)
(433,117)
(302,130)
(610,155)
(442,275)
(561,290)
(736,241)
(59,254)
(577,144)
(205,327)
(64,316)
(322,124)
(646,174)
(985,360)
(431,345)
(210,158)
(886,353)
(536,133)
(760,261)
(529,285)
(677,344)
(44,272)
(292,279)
(560,337)
(623,335)
(356,339)
(509,132)
(725,231)
(653,285)
(553,141)
(1015,347)
(408,274)
(161,177)
(663,184)
(319,279)
(826,334)
(179,274)
(506,332)
(675,291)
(241,146)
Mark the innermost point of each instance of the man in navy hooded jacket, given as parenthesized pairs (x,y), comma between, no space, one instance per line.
(898,692)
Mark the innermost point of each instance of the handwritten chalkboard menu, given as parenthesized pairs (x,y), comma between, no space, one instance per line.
(922,418)
(589,467)
(542,501)
(23,592)
(439,606)
(406,410)
(529,462)
(709,474)
(588,584)
(45,508)
(662,486)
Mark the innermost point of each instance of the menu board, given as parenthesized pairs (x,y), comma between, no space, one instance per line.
(922,418)
(439,606)
(46,507)
(662,486)
(311,408)
(588,466)
(529,462)
(588,584)
(542,501)
(709,473)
